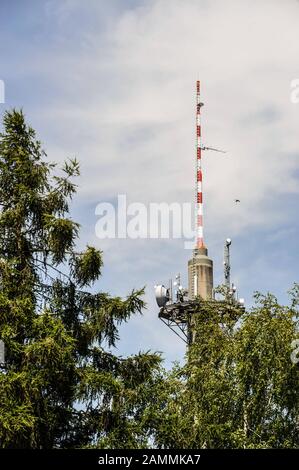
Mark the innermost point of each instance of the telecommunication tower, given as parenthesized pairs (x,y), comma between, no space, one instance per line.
(177,313)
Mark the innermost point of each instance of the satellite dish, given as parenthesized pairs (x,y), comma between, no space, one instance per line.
(162,295)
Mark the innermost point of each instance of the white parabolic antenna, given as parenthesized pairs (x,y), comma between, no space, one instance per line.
(162,295)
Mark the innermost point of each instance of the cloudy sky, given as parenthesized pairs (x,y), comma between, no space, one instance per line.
(113,83)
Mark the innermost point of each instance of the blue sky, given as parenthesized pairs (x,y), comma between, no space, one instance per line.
(113,82)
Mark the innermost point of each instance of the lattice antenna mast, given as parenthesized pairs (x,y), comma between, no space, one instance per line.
(226,263)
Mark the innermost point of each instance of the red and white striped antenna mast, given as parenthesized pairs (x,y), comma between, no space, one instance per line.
(199,207)
(199,192)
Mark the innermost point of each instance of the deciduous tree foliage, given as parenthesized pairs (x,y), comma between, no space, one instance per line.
(59,387)
(239,387)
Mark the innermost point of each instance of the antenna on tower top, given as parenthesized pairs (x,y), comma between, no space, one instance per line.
(199,192)
(199,206)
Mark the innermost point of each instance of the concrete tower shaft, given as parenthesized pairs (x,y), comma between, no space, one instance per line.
(200,275)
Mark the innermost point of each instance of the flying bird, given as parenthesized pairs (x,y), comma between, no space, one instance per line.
(237,200)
